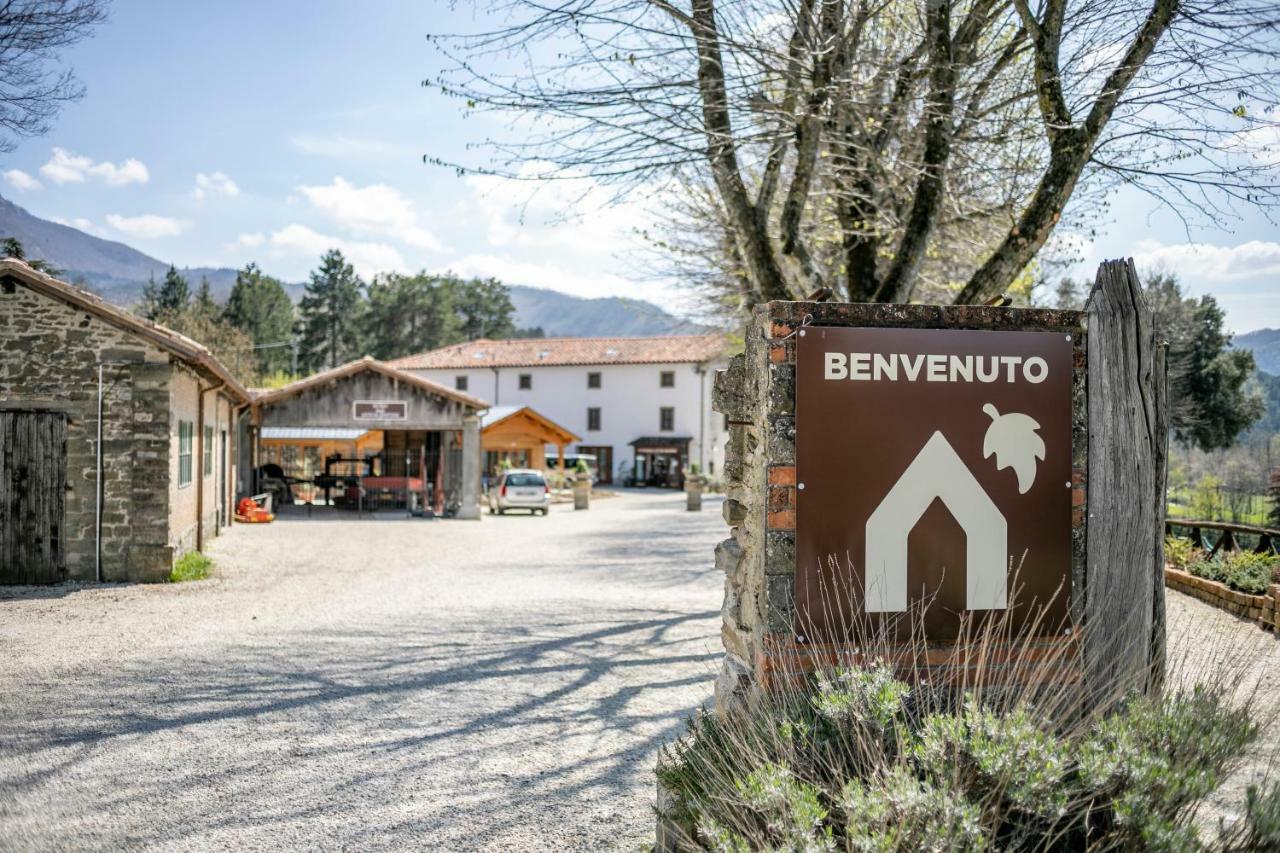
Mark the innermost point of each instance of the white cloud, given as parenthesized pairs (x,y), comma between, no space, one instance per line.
(251,241)
(574,212)
(376,210)
(216,183)
(367,258)
(147,226)
(1261,143)
(1214,263)
(20,180)
(65,167)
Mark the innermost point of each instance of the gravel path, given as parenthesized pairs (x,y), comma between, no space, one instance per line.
(406,684)
(1210,645)
(367,685)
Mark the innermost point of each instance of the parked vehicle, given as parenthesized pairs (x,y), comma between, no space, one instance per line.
(520,488)
(571,462)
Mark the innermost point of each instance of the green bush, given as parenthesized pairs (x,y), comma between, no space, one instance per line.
(1243,571)
(191,566)
(1181,553)
(1249,572)
(857,760)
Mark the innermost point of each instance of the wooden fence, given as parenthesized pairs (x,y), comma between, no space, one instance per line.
(1229,538)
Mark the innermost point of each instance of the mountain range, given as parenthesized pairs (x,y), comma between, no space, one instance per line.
(1265,344)
(118,273)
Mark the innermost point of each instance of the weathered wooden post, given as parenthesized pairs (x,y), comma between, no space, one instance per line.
(1128,450)
(1040,432)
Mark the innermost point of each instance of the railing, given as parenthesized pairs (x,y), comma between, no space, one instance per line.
(1231,533)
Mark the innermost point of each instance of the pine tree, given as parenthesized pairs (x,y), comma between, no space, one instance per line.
(259,306)
(484,307)
(407,314)
(171,296)
(329,319)
(204,304)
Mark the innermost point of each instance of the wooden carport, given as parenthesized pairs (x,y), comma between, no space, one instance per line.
(520,430)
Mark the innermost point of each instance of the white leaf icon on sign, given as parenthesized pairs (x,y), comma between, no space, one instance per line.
(1014,441)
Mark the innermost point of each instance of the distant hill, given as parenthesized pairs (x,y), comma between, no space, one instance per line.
(1265,344)
(561,315)
(118,273)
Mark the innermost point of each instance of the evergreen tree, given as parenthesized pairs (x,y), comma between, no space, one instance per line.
(484,307)
(204,303)
(259,306)
(329,321)
(407,314)
(171,297)
(1209,403)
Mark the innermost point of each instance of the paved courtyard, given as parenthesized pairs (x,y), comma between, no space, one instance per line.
(367,685)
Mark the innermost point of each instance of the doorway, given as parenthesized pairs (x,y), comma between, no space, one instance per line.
(33,486)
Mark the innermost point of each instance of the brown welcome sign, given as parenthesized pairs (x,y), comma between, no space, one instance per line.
(933,466)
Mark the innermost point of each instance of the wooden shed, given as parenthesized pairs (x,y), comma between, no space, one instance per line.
(519,436)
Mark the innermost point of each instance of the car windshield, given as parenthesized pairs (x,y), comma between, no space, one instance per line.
(524,480)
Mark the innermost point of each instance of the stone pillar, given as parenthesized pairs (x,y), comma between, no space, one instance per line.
(469,505)
(582,493)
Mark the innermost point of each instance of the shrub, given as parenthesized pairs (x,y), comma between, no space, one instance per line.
(1248,571)
(1181,553)
(854,759)
(1243,571)
(191,566)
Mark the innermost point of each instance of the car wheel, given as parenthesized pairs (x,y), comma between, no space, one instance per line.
(501,511)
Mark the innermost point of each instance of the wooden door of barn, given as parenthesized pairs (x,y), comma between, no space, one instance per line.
(33,483)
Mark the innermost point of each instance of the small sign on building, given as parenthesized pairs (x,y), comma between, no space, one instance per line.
(933,466)
(380,410)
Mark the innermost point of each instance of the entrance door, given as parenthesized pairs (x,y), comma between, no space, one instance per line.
(33,485)
(604,461)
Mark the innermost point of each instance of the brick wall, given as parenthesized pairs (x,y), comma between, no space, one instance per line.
(1263,609)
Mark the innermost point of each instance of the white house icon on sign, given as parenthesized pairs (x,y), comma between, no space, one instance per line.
(936,473)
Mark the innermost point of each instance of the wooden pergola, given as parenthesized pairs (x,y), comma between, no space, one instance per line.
(517,430)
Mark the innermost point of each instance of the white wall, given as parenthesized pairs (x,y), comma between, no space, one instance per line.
(629,398)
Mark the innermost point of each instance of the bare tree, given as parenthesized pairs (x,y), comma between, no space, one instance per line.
(33,84)
(889,149)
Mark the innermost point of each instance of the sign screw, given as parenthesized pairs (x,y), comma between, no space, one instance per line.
(802,333)
(800,486)
(1068,484)
(1068,337)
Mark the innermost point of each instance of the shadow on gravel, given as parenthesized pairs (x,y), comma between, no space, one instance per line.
(443,732)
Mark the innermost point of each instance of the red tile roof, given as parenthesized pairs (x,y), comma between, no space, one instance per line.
(533,352)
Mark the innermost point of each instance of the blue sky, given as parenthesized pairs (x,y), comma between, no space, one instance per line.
(215,134)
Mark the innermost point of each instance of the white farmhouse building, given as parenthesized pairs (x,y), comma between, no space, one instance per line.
(641,405)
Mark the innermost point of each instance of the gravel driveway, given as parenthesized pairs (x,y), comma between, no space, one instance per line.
(365,685)
(405,684)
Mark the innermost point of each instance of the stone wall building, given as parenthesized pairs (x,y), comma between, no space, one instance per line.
(121,496)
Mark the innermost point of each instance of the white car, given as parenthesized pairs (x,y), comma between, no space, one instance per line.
(520,488)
